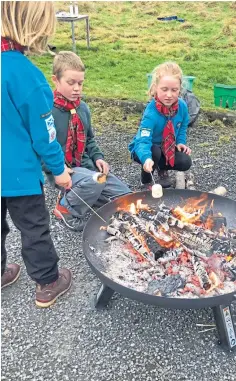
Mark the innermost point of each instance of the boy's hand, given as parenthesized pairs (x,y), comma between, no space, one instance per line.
(69,170)
(64,180)
(147,166)
(183,148)
(102,166)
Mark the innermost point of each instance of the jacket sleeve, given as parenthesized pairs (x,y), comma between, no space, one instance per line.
(92,148)
(36,112)
(182,134)
(143,140)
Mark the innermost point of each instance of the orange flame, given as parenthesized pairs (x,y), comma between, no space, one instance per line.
(193,209)
(134,209)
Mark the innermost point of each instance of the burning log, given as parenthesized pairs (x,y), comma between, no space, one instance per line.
(201,273)
(142,230)
(222,245)
(195,237)
(136,232)
(193,242)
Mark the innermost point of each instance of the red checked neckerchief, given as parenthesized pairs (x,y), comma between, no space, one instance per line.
(8,44)
(76,138)
(168,141)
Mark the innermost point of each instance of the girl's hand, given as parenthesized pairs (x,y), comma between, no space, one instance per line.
(147,166)
(102,166)
(183,148)
(64,180)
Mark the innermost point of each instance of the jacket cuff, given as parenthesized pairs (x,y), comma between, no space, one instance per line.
(58,171)
(97,156)
(145,157)
(181,141)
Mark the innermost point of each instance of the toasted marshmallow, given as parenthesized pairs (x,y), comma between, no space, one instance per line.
(157,191)
(100,178)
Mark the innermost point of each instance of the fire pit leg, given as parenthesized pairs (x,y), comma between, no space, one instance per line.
(103,296)
(225,326)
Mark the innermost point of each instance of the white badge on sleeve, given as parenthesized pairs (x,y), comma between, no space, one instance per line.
(145,133)
(51,128)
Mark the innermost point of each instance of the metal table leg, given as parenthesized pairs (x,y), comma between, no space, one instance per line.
(73,36)
(103,296)
(225,326)
(87,32)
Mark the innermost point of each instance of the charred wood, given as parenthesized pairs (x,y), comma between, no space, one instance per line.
(165,286)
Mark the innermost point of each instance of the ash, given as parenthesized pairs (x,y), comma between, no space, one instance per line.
(123,267)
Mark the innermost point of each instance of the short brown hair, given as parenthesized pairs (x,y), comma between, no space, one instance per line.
(66,61)
(29,23)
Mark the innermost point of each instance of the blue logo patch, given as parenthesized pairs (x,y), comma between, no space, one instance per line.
(179,125)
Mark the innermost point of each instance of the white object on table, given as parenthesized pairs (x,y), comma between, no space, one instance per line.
(76,10)
(71,9)
(66,17)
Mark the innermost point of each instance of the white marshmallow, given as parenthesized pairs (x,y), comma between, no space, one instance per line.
(157,191)
(220,191)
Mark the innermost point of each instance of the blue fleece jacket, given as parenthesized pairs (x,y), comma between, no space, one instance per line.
(151,129)
(28,132)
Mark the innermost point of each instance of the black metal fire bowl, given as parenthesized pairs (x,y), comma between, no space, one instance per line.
(93,238)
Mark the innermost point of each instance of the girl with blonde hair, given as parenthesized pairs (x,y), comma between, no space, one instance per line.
(160,142)
(29,136)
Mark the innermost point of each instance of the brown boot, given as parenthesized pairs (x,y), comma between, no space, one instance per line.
(47,294)
(11,274)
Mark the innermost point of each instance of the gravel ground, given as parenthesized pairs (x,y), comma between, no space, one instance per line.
(128,341)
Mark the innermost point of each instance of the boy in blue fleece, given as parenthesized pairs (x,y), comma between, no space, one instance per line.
(29,135)
(160,142)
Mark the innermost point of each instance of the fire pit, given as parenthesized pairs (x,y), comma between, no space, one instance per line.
(167,255)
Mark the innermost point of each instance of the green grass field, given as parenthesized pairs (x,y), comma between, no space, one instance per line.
(127,42)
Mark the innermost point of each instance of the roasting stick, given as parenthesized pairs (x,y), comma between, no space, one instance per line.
(70,189)
(152,178)
(157,191)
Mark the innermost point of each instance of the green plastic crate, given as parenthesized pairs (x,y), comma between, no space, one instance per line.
(187,81)
(225,96)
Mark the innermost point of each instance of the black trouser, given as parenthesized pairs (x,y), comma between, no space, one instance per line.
(182,162)
(30,215)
